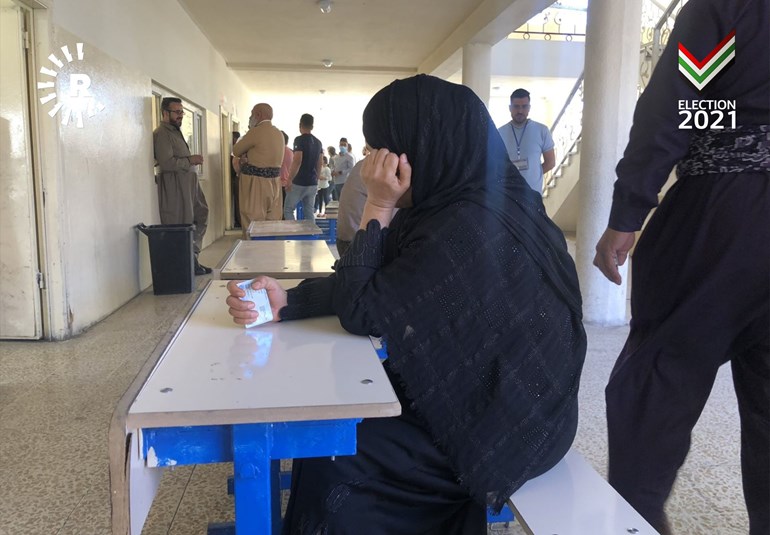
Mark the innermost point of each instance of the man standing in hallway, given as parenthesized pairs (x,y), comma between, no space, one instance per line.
(701,271)
(305,170)
(180,198)
(260,179)
(527,141)
(235,168)
(288,157)
(343,164)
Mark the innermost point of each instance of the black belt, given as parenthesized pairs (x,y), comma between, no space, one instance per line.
(745,149)
(263,172)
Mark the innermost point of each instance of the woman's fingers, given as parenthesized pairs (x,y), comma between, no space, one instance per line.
(232,288)
(404,172)
(236,303)
(241,311)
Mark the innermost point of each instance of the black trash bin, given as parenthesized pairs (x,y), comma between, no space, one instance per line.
(171,258)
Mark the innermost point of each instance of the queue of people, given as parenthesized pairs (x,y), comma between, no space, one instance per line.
(268,178)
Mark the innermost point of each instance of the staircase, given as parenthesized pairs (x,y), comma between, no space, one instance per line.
(560,189)
(561,203)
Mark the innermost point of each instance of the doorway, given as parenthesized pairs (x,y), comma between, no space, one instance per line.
(232,213)
(21,280)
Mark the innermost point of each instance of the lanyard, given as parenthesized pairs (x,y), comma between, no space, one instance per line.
(518,141)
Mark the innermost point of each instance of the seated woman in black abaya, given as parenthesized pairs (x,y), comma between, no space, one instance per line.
(473,291)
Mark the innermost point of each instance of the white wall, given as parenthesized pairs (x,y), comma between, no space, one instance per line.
(158,38)
(538,58)
(99,179)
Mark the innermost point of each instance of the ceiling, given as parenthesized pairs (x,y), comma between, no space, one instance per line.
(278,46)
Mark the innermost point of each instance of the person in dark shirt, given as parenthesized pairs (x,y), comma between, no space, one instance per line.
(701,271)
(234,182)
(477,300)
(304,172)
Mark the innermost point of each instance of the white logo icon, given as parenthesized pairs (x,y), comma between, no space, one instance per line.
(79,100)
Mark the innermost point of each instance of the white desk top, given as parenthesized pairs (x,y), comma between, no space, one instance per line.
(216,372)
(289,259)
(283,228)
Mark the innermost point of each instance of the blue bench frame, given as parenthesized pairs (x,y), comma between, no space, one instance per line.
(328,226)
(255,451)
(282,481)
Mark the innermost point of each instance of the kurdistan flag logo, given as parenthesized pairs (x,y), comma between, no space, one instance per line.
(702,72)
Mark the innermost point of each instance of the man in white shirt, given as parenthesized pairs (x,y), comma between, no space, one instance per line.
(527,141)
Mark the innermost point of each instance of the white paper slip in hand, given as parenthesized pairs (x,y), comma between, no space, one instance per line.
(261,303)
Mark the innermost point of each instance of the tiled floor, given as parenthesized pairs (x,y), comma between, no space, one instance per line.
(56,400)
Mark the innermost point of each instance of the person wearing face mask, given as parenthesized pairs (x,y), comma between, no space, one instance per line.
(343,163)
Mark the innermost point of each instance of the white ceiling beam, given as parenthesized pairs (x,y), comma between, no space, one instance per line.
(489,23)
(294,67)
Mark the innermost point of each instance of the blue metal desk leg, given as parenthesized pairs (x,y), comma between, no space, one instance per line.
(257,508)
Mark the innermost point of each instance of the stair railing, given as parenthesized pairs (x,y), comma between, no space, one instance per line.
(566,132)
(567,129)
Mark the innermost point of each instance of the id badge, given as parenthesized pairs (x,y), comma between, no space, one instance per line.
(522,164)
(261,303)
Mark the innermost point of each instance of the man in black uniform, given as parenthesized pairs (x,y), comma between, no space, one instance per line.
(701,271)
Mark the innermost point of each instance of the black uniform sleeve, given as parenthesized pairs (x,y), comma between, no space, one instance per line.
(656,142)
(336,294)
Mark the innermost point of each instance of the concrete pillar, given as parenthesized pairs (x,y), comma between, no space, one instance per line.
(611,75)
(477,69)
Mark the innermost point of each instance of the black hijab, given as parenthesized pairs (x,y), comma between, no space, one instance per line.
(456,153)
(477,298)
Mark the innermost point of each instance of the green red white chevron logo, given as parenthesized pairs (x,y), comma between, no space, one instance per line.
(702,72)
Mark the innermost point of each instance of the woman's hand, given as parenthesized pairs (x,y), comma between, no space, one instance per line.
(242,311)
(387,177)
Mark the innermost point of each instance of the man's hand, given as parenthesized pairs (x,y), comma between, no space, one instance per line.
(196,159)
(387,177)
(612,251)
(242,311)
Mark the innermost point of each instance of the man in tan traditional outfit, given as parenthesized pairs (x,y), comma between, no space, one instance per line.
(260,178)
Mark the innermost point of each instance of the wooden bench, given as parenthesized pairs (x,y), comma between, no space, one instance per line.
(572,499)
(328,226)
(221,393)
(569,499)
